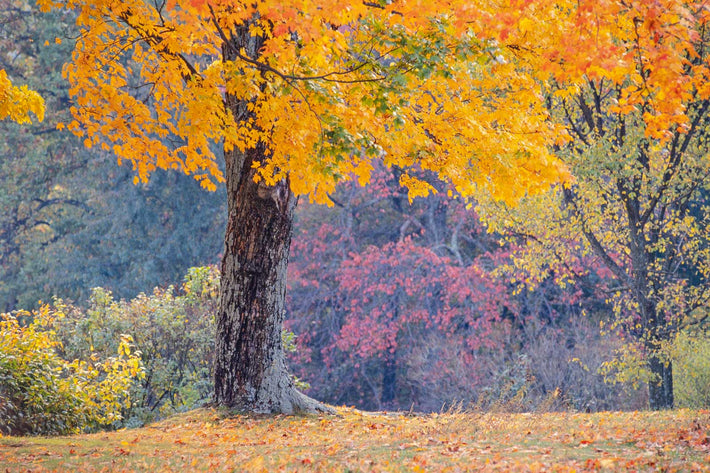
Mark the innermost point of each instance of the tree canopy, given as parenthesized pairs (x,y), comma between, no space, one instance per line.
(328,87)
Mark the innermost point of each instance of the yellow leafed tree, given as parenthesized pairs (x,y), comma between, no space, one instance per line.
(303,94)
(629,82)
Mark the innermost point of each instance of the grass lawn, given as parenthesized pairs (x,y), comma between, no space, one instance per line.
(210,440)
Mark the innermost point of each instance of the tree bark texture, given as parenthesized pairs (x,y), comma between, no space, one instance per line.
(250,368)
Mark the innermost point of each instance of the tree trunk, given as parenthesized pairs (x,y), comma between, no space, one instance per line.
(660,390)
(250,368)
(660,393)
(389,380)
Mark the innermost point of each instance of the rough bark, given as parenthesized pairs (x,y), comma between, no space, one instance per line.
(250,367)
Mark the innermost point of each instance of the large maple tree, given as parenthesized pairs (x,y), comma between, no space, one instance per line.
(300,94)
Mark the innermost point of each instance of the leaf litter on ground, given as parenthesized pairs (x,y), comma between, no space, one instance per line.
(352,440)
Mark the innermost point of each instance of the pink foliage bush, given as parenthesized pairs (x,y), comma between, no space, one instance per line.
(401,305)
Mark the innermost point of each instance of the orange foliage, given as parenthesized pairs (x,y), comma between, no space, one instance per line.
(335,85)
(647,49)
(16,103)
(456,87)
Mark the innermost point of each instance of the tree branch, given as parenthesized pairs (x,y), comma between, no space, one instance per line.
(596,244)
(674,162)
(264,67)
(41,203)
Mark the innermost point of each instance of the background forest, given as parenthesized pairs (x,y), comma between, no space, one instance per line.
(392,303)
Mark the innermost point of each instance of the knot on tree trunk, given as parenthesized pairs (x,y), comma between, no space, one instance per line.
(280,193)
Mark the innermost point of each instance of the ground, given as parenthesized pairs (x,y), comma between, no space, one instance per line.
(211,440)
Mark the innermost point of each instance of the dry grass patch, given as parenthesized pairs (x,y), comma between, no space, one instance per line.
(210,440)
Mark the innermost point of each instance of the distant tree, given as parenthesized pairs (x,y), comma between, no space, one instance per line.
(25,169)
(636,115)
(403,305)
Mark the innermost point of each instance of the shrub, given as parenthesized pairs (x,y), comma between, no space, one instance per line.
(174,333)
(163,366)
(691,370)
(43,393)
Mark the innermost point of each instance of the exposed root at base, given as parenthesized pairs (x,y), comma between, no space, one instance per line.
(303,404)
(288,401)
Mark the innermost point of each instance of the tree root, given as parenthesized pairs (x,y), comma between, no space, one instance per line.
(303,404)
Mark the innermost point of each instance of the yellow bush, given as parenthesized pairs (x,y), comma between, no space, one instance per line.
(41,393)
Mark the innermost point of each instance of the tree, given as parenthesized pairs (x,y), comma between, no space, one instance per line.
(636,113)
(20,173)
(301,95)
(410,305)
